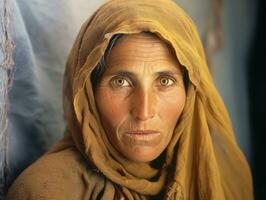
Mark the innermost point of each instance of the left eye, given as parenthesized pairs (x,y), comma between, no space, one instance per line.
(166,81)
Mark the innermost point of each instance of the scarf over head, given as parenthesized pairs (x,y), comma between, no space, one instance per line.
(202,160)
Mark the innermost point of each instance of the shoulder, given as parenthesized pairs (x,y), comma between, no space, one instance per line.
(61,175)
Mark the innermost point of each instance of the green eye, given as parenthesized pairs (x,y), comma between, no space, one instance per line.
(120,82)
(166,81)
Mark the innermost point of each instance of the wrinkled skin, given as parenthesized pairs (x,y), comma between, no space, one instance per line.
(140,96)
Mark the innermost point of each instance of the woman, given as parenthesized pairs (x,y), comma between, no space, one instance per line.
(144,119)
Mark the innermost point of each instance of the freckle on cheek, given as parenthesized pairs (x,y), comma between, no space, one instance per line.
(112,104)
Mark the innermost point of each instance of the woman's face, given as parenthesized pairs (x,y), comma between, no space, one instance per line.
(140,96)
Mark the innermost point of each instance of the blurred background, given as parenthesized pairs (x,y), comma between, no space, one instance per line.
(43,32)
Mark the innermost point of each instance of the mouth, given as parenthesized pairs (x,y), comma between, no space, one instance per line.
(143,136)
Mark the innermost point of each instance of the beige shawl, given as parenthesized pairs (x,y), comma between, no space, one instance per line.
(203,160)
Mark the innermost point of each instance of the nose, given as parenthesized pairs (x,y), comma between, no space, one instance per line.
(143,105)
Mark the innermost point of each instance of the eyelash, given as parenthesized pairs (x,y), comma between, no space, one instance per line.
(131,83)
(169,79)
(112,82)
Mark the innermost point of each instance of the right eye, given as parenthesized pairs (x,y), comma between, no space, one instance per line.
(120,82)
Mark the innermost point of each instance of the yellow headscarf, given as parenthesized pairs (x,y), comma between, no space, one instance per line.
(206,159)
(203,160)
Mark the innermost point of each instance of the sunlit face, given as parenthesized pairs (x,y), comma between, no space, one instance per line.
(140,96)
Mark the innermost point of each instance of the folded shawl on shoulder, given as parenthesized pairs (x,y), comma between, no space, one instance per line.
(202,161)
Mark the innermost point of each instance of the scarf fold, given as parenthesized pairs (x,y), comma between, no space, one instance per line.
(203,160)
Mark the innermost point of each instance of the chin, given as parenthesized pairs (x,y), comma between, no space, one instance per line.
(143,157)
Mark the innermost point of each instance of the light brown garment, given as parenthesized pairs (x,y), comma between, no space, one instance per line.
(203,160)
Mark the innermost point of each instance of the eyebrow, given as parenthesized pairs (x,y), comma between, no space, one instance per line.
(168,73)
(131,74)
(122,73)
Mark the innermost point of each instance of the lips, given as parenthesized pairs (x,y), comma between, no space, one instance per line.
(141,132)
(143,136)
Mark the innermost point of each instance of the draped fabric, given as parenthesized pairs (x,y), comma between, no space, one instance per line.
(6,78)
(202,161)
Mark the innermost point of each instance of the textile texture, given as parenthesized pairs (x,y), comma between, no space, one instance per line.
(202,161)
(6,76)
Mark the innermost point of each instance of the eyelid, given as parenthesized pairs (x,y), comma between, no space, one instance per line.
(133,82)
(168,77)
(126,78)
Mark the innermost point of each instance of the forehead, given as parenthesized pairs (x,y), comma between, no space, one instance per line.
(145,48)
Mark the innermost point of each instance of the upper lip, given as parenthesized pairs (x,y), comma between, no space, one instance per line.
(143,132)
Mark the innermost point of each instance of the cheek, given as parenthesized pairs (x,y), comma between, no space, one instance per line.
(170,107)
(111,107)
